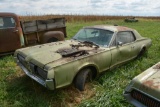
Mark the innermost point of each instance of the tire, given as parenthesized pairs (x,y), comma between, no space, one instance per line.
(82,77)
(142,52)
(52,40)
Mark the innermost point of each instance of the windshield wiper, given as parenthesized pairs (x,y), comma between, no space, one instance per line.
(91,43)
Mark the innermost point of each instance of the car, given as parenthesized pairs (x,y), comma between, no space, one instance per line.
(130,19)
(144,89)
(91,51)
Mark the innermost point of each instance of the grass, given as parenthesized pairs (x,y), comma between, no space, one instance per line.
(18,90)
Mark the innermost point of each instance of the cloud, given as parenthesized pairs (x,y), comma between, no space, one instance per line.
(100,7)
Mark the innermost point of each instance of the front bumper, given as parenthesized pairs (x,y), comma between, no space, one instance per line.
(140,98)
(49,83)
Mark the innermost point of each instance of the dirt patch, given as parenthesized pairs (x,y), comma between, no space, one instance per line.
(17,74)
(75,96)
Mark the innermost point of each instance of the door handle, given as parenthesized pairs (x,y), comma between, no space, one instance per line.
(15,31)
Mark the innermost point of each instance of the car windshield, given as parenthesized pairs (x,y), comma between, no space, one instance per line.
(97,36)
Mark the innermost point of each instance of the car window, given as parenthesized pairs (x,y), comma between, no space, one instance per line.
(88,33)
(98,36)
(125,37)
(7,22)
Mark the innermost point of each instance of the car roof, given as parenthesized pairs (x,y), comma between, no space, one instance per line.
(113,28)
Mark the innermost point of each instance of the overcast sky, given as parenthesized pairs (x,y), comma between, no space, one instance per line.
(97,7)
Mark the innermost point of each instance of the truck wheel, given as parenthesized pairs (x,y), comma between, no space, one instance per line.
(52,40)
(82,77)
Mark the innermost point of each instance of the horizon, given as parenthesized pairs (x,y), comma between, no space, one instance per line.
(79,7)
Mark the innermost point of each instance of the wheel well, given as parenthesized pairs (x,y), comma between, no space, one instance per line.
(93,70)
(52,36)
(53,39)
(143,49)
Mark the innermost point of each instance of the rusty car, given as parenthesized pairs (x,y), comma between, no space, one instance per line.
(131,19)
(92,50)
(16,33)
(144,89)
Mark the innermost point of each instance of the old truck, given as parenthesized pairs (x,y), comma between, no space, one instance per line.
(15,34)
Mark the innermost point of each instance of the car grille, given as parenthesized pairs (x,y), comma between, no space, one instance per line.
(145,99)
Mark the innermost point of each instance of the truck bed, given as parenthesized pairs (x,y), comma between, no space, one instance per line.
(33,30)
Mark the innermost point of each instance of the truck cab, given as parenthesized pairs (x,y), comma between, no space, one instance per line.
(10,33)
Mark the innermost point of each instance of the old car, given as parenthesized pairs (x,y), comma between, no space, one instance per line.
(132,19)
(91,51)
(144,89)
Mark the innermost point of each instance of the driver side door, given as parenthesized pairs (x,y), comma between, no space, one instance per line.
(9,36)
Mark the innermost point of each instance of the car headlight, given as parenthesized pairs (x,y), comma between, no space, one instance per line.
(32,68)
(41,73)
(38,71)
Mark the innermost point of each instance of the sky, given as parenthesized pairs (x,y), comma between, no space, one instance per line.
(84,7)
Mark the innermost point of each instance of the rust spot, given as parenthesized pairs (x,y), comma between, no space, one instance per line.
(121,28)
(152,84)
(148,83)
(156,66)
(67,52)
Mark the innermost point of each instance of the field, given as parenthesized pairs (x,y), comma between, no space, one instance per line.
(18,90)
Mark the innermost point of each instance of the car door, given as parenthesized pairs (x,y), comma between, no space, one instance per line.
(9,37)
(122,47)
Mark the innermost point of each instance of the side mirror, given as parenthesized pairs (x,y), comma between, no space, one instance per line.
(119,43)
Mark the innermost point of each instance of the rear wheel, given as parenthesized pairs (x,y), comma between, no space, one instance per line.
(82,77)
(142,52)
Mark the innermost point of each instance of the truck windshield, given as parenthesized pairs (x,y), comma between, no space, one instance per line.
(97,36)
(6,22)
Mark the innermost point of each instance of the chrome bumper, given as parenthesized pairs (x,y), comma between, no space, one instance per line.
(49,83)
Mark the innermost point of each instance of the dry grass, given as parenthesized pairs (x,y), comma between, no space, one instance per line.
(84,18)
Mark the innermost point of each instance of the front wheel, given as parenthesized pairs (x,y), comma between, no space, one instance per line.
(82,77)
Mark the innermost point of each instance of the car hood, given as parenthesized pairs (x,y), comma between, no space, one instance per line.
(57,52)
(149,81)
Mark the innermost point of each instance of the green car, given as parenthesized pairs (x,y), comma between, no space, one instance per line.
(130,20)
(91,51)
(144,89)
